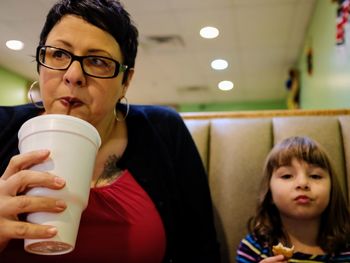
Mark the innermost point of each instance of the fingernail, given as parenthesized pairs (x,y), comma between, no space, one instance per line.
(52,231)
(44,151)
(59,181)
(61,204)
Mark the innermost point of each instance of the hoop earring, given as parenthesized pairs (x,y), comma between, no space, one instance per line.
(31,97)
(127,109)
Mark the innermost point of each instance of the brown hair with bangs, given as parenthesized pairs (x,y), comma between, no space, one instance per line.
(266,225)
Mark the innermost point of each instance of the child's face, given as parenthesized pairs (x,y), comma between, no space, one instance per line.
(300,190)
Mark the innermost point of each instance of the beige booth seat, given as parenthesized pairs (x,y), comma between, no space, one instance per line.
(233,147)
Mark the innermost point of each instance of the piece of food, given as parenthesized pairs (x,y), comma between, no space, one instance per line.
(279,249)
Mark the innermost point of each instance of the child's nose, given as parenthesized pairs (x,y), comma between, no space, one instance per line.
(302,181)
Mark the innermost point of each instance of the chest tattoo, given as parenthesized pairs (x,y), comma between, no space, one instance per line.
(111,170)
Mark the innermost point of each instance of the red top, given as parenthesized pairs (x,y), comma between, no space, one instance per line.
(120,224)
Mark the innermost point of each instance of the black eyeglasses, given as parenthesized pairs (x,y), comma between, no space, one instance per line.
(94,66)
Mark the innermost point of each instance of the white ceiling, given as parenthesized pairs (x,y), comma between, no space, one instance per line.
(261,39)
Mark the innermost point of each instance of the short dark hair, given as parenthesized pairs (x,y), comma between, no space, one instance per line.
(108,15)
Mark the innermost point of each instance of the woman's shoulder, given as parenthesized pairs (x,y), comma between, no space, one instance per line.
(153,110)
(25,108)
(156,114)
(17,113)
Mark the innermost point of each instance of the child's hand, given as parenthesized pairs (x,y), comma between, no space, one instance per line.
(275,259)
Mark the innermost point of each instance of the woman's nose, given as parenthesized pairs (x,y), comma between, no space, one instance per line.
(74,75)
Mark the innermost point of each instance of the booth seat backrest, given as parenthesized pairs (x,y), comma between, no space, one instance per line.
(233,147)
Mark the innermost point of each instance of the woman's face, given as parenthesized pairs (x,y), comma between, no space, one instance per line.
(300,190)
(72,92)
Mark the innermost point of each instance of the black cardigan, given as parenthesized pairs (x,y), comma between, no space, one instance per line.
(162,157)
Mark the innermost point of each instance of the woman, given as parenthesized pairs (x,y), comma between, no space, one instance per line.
(149,199)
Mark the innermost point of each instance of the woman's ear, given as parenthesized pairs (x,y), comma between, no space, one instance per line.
(129,77)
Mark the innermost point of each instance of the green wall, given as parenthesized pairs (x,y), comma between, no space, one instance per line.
(329,85)
(234,106)
(13,88)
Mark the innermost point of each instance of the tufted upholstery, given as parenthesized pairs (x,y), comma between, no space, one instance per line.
(233,147)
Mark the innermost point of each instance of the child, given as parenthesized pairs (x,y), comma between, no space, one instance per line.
(301,204)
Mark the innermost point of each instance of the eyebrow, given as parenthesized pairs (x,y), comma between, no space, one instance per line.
(312,168)
(284,166)
(89,51)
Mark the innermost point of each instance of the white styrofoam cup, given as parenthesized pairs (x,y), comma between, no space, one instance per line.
(73,145)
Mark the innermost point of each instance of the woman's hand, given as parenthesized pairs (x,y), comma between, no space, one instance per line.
(17,179)
(275,259)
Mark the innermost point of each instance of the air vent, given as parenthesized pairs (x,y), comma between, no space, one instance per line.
(162,42)
(193,89)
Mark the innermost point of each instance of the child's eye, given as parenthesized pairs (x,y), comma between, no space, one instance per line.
(316,176)
(286,176)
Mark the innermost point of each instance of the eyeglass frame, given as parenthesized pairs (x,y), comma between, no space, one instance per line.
(118,69)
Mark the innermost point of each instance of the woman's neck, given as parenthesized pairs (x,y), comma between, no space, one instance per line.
(113,146)
(106,130)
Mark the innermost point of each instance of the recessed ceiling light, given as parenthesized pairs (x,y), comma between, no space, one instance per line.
(209,32)
(15,44)
(219,64)
(225,85)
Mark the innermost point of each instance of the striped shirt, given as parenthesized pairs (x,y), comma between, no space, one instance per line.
(250,250)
